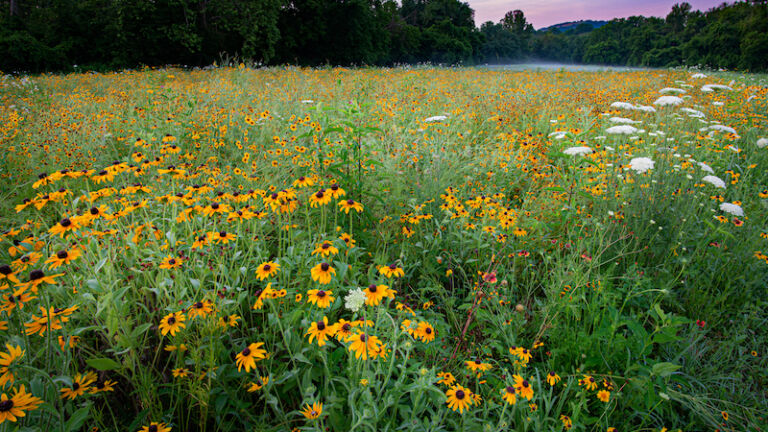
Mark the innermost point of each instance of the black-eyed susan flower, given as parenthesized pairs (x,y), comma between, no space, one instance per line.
(155,427)
(320,331)
(375,293)
(62,257)
(335,191)
(553,378)
(325,249)
(172,323)
(458,398)
(391,270)
(523,387)
(200,309)
(171,263)
(508,394)
(425,332)
(344,330)
(6,272)
(477,365)
(446,378)
(347,205)
(267,269)
(589,382)
(348,240)
(320,298)
(364,345)
(258,384)
(6,360)
(80,385)
(64,226)
(313,411)
(15,407)
(319,198)
(248,357)
(322,273)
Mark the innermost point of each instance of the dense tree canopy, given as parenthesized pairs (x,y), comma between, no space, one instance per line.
(44,35)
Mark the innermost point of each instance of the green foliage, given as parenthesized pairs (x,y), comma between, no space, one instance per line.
(107,34)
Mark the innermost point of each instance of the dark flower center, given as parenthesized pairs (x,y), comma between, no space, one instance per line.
(215,206)
(321,325)
(511,390)
(325,266)
(223,234)
(5,269)
(267,267)
(75,386)
(319,194)
(6,405)
(36,274)
(301,179)
(102,172)
(335,187)
(172,261)
(392,266)
(199,305)
(320,294)
(428,330)
(525,383)
(246,352)
(350,202)
(171,320)
(94,211)
(460,394)
(152,428)
(326,245)
(363,337)
(372,288)
(65,222)
(346,327)
(62,254)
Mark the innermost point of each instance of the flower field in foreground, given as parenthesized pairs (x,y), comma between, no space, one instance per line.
(383,249)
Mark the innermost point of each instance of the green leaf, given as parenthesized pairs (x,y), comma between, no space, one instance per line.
(78,418)
(664,369)
(103,364)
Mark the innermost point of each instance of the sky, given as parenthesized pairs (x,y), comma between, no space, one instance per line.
(543,13)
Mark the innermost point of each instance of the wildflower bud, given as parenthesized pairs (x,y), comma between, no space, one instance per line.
(520,308)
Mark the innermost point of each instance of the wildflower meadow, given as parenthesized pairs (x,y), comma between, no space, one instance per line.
(241,248)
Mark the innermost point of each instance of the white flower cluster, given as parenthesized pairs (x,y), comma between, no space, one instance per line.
(354,300)
(641,164)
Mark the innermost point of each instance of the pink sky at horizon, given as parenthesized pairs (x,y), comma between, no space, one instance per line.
(543,13)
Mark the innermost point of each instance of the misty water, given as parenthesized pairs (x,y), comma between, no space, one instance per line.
(558,66)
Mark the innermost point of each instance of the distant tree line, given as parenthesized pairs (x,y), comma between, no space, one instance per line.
(54,35)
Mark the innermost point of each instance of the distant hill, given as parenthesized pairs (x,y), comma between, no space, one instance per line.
(571,25)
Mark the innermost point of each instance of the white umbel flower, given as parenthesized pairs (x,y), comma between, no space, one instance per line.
(706,168)
(622,120)
(698,75)
(645,108)
(692,112)
(623,129)
(435,119)
(354,300)
(671,90)
(622,105)
(714,181)
(708,88)
(641,164)
(668,100)
(733,209)
(577,151)
(762,143)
